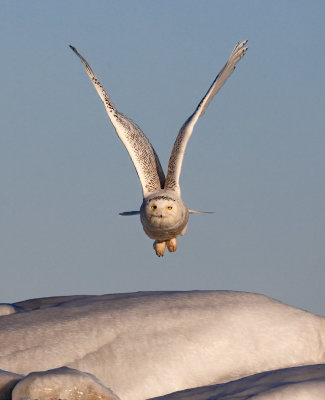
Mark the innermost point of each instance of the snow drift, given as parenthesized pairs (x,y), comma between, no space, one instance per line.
(144,345)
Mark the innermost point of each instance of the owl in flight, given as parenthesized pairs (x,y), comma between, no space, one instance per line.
(163,214)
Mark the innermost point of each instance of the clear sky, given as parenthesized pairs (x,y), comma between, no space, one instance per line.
(256,158)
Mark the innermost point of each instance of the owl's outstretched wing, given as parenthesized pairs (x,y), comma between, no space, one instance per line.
(177,155)
(143,155)
(129,213)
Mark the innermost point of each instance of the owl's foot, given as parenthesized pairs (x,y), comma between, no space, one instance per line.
(172,245)
(159,247)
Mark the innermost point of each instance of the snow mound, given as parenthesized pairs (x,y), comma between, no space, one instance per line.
(62,383)
(142,345)
(297,383)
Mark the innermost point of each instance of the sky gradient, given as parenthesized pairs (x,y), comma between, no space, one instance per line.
(256,158)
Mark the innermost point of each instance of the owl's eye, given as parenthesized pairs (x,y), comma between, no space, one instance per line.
(153,207)
(169,207)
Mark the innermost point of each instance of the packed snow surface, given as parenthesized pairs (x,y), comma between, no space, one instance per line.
(144,345)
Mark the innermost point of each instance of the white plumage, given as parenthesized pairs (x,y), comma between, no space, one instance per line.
(163,214)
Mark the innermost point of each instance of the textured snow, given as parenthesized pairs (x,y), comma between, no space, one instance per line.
(62,383)
(144,345)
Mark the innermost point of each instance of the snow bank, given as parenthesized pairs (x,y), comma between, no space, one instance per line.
(143,345)
(297,383)
(62,383)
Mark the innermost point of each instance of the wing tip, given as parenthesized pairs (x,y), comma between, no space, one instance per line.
(201,212)
(129,213)
(73,49)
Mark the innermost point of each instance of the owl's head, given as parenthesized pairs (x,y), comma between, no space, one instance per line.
(163,211)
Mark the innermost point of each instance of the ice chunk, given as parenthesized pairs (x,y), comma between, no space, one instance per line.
(61,383)
(7,309)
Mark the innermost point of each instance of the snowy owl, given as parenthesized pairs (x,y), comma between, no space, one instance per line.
(163,214)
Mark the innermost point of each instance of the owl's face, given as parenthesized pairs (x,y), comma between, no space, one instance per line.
(163,211)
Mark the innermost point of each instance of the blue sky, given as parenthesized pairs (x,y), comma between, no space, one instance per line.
(256,158)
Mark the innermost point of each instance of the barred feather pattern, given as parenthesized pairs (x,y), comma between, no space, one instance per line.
(143,155)
(177,155)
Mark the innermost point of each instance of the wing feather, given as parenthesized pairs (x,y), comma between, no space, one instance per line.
(177,155)
(143,155)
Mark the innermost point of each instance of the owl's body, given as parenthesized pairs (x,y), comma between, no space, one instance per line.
(163,214)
